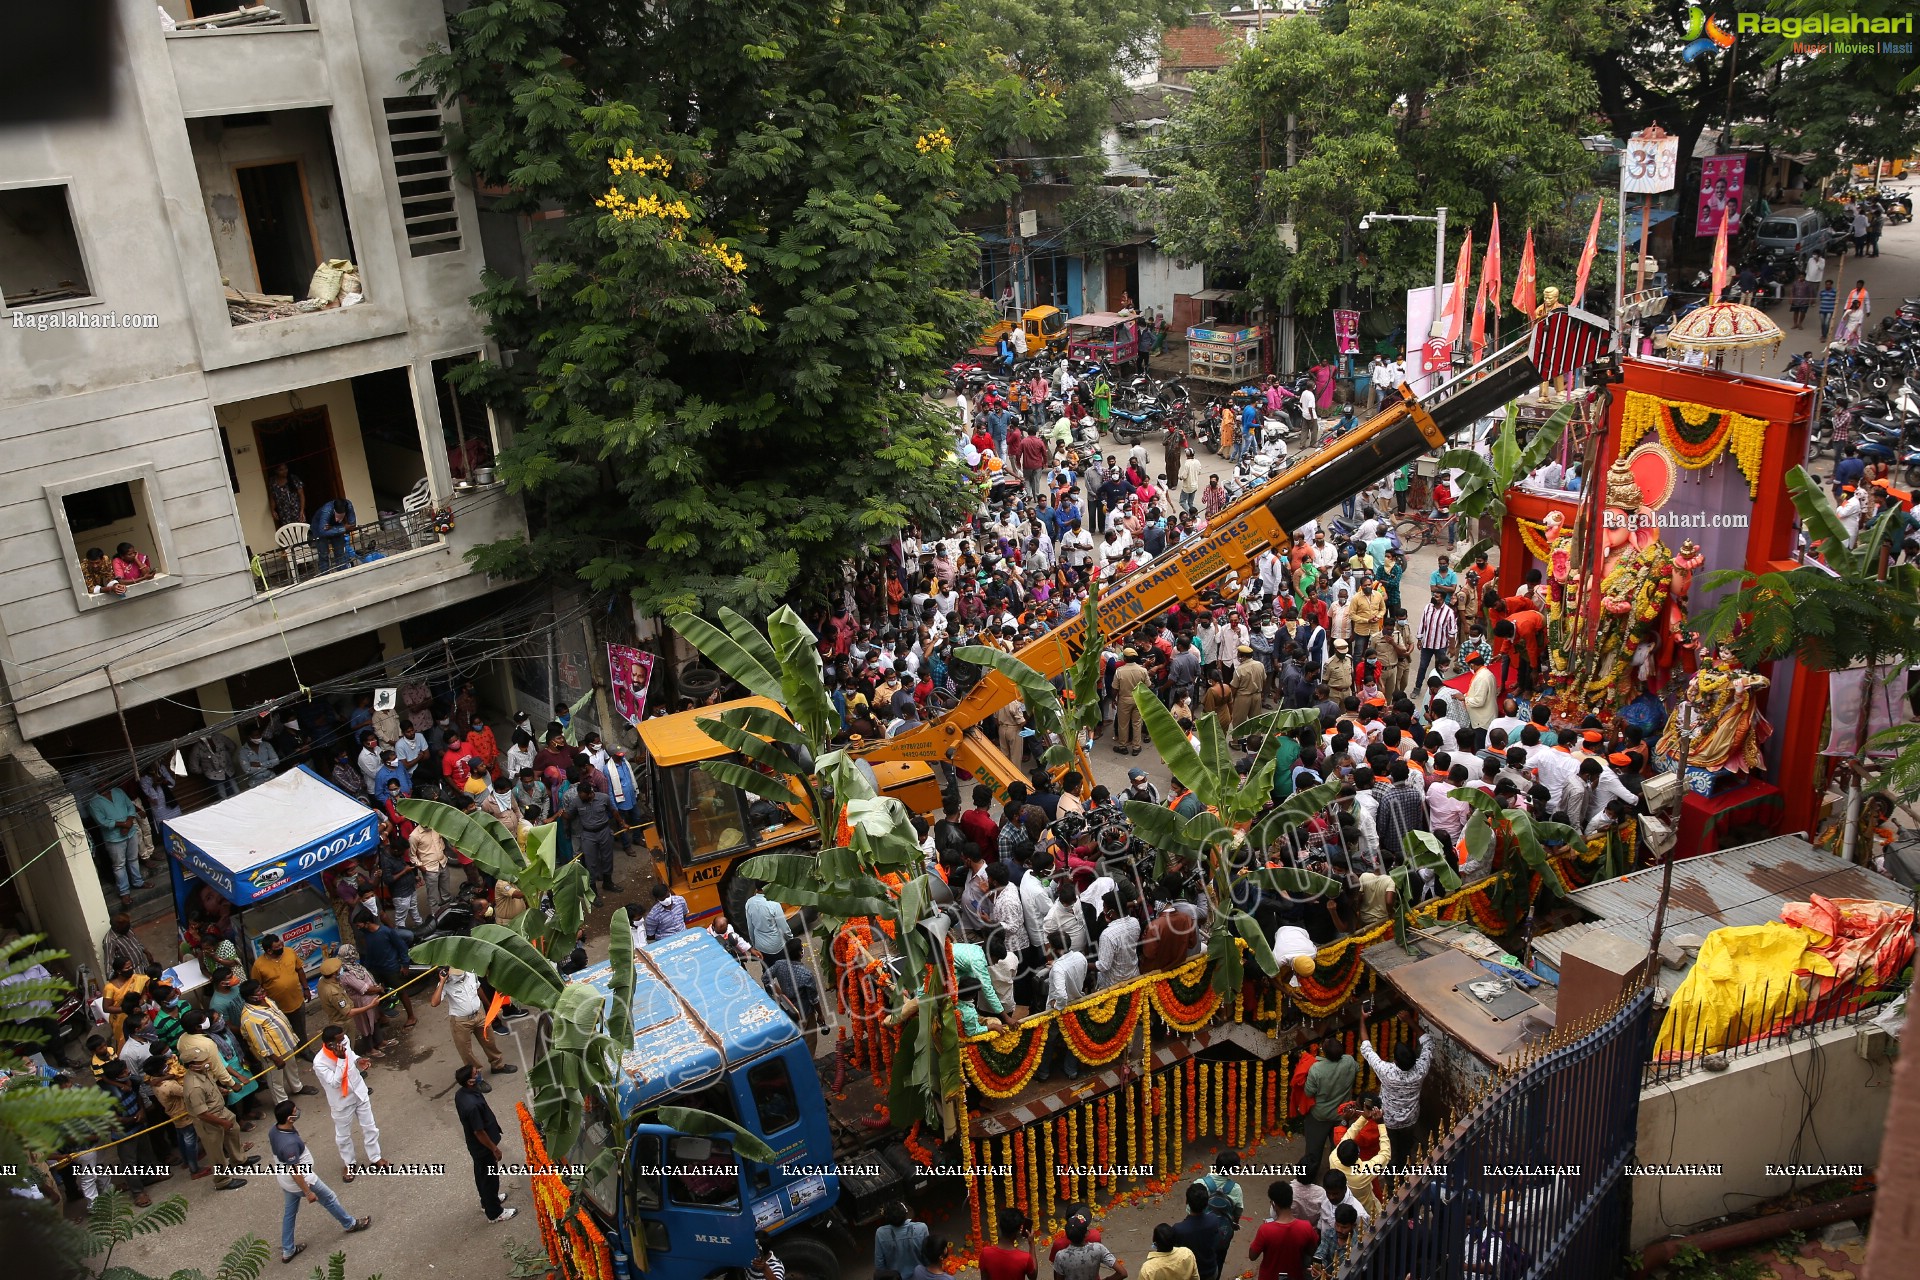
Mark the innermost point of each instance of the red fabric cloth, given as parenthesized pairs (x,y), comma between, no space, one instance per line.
(1705,820)
(1298,1104)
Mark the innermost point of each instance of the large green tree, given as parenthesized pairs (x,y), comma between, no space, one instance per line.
(1396,108)
(747,268)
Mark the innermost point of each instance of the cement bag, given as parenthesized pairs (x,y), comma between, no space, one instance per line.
(325,286)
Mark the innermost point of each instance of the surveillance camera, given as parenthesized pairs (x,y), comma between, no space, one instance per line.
(1366,223)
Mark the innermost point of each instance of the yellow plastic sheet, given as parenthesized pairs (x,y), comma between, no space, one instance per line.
(1743,983)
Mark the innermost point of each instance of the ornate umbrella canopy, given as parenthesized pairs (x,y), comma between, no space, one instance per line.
(1724,326)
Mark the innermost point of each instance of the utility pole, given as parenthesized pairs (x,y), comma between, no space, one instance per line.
(1017,252)
(1286,303)
(125,733)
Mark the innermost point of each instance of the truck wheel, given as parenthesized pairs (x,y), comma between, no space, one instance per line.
(807,1258)
(733,900)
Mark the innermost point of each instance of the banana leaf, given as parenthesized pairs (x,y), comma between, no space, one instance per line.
(536,985)
(726,653)
(1277,723)
(1216,757)
(882,832)
(1175,751)
(1528,836)
(1295,811)
(723,730)
(743,633)
(753,782)
(802,680)
(1257,945)
(764,723)
(1228,972)
(746,1145)
(1423,851)
(1158,826)
(1036,691)
(910,1094)
(620,952)
(1506,448)
(1297,881)
(572,896)
(479,835)
(1544,441)
(1820,520)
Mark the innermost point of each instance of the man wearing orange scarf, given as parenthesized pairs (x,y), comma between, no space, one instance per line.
(343,1082)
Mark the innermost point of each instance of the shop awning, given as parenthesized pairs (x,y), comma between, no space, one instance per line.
(260,841)
(1633,226)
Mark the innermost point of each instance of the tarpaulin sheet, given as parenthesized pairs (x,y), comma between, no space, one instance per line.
(1743,984)
(1868,943)
(285,830)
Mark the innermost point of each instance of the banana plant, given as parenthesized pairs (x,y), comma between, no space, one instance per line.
(1493,834)
(1230,836)
(800,767)
(1063,722)
(534,870)
(1484,482)
(1419,851)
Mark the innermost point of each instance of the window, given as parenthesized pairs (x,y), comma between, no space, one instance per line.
(703,1174)
(772,1092)
(420,162)
(715,819)
(593,1138)
(464,421)
(118,515)
(39,250)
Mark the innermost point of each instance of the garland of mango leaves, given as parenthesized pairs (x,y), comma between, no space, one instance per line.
(1000,1066)
(1098,1031)
(1186,1005)
(1696,435)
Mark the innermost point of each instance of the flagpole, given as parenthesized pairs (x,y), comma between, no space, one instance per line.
(1620,263)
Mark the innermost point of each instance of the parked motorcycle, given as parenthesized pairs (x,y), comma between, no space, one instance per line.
(458,915)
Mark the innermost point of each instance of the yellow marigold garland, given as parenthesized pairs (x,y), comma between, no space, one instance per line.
(1736,433)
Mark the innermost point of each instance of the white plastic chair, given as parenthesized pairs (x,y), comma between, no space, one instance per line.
(290,538)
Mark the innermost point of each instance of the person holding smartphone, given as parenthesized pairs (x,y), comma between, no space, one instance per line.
(1012,1257)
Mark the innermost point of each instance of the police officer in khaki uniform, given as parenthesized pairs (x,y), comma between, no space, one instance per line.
(216,1125)
(1127,677)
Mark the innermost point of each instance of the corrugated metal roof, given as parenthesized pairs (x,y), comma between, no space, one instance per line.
(1745,885)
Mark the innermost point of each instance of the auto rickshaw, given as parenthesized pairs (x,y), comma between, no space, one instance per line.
(1101,335)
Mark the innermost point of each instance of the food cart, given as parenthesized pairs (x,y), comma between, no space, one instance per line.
(1104,336)
(264,851)
(1224,352)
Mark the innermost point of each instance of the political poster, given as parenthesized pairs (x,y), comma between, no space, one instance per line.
(631,672)
(1723,182)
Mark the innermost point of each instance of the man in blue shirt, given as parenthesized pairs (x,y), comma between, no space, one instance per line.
(333,525)
(1249,425)
(1851,469)
(1444,578)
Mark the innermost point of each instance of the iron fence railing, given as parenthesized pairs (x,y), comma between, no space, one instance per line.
(1531,1183)
(392,534)
(1698,1037)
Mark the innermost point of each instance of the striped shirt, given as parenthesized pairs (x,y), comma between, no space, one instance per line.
(268,1032)
(1438,627)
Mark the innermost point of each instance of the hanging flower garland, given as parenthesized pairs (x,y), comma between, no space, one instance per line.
(1002,1066)
(1329,985)
(1185,1006)
(1533,535)
(1696,434)
(1100,1031)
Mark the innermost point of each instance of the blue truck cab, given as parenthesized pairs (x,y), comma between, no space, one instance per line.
(686,1207)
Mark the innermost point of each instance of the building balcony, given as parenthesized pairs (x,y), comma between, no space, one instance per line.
(262,67)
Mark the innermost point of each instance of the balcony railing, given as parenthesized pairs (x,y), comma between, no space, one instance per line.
(303,560)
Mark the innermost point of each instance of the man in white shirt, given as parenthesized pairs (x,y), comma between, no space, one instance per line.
(1507,721)
(1369,530)
(1077,546)
(1119,957)
(1308,409)
(1019,339)
(1325,554)
(1111,550)
(1849,511)
(1443,724)
(343,1083)
(1552,766)
(1481,691)
(1064,916)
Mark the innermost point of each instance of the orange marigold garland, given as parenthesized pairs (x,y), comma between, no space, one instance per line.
(1100,1031)
(1190,1132)
(1182,1006)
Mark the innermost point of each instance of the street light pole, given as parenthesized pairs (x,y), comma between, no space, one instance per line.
(1439,218)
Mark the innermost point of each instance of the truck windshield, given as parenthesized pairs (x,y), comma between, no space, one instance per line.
(707,816)
(1053,324)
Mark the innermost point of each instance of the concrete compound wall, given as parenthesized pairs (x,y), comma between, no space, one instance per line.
(1751,1115)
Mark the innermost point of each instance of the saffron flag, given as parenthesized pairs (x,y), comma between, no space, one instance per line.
(1523,300)
(1586,258)
(1720,259)
(1455,312)
(1478,338)
(1493,264)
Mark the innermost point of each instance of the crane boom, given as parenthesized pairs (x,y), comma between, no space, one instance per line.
(1263,517)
